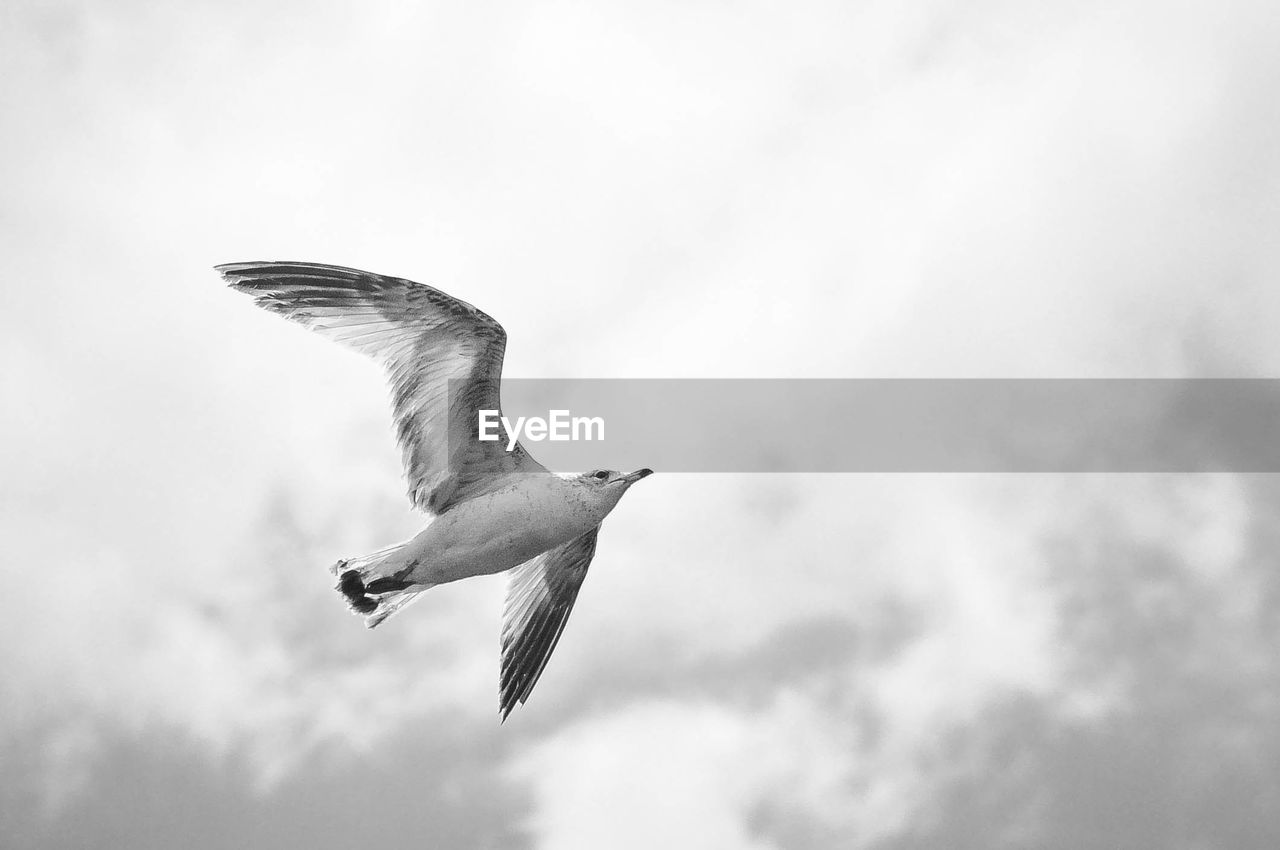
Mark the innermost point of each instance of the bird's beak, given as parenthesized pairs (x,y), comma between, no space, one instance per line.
(636,476)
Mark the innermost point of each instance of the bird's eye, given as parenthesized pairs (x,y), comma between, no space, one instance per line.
(601,475)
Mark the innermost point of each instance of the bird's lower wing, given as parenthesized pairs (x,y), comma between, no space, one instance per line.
(540,595)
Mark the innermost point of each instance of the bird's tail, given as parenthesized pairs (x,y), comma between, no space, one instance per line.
(376,585)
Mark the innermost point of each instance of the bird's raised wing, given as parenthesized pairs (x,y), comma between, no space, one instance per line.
(426,339)
(540,595)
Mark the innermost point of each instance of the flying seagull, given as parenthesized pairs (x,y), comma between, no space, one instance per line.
(492,509)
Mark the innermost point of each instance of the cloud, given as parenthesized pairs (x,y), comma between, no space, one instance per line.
(972,190)
(666,772)
(994,658)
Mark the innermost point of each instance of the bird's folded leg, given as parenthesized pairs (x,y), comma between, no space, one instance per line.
(396,582)
(387,585)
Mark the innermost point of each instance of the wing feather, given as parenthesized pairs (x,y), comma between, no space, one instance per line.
(540,596)
(443,358)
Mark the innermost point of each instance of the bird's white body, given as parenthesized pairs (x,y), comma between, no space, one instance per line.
(502,529)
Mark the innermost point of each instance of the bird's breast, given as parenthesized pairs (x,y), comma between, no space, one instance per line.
(499,530)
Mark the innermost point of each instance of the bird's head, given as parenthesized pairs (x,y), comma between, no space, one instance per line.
(608,485)
(613,478)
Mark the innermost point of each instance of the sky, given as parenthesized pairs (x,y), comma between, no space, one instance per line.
(657,190)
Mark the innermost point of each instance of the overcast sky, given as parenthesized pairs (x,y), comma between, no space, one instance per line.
(872,189)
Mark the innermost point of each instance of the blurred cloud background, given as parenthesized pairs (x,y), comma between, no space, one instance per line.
(872,189)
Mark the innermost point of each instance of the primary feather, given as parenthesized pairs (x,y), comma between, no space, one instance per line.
(443,358)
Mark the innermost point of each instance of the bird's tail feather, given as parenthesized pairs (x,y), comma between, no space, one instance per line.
(375,585)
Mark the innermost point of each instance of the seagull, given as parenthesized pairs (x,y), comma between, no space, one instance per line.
(492,510)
